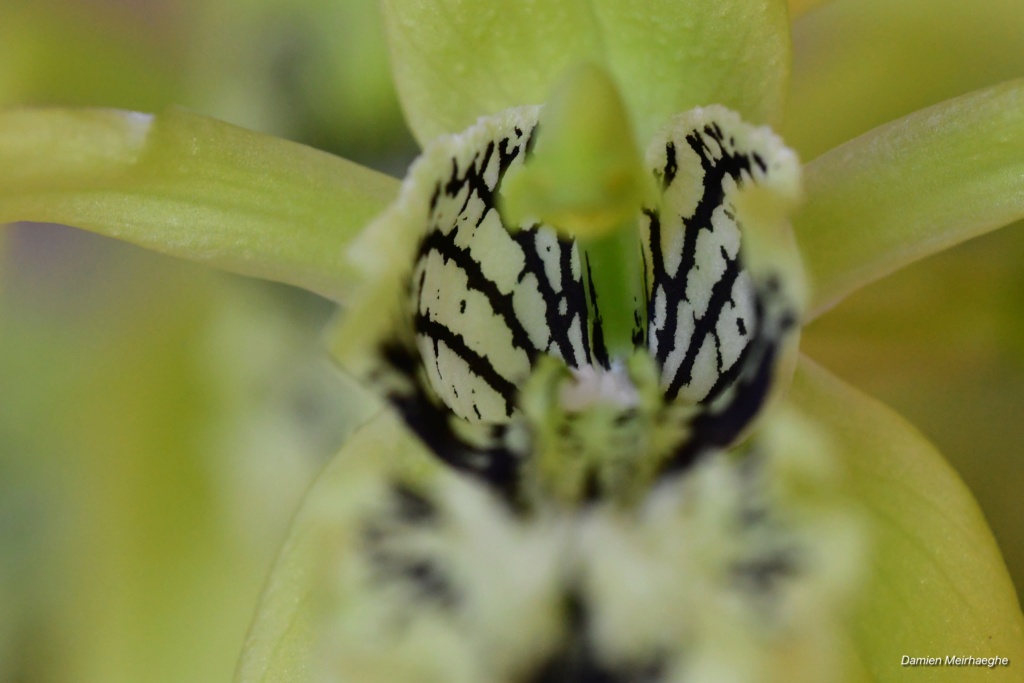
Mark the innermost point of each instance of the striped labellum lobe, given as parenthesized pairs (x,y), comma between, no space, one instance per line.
(488,301)
(485,302)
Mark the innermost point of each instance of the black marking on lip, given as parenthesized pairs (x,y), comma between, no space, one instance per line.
(576,298)
(422,576)
(431,422)
(713,196)
(762,575)
(671,165)
(391,561)
(502,304)
(499,302)
(713,430)
(411,506)
(721,292)
(759,160)
(639,324)
(474,178)
(478,364)
(430,582)
(728,377)
(578,660)
(571,291)
(638,337)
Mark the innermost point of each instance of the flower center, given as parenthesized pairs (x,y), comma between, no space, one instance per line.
(590,386)
(488,299)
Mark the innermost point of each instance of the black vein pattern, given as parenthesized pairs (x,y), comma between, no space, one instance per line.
(493,343)
(423,577)
(488,299)
(676,349)
(487,459)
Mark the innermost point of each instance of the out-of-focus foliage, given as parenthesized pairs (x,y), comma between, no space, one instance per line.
(94,52)
(314,71)
(160,422)
(861,63)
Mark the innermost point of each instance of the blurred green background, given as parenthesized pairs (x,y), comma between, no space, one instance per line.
(159,421)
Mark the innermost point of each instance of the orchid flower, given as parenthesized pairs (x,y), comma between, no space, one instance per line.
(712,523)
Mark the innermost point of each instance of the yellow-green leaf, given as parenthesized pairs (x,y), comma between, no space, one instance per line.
(452,65)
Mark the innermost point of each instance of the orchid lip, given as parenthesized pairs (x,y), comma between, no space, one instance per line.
(485,301)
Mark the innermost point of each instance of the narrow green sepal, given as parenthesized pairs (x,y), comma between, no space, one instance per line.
(191,187)
(911,188)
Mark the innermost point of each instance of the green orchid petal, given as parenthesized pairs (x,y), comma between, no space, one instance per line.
(858,64)
(452,66)
(670,56)
(191,187)
(948,358)
(283,641)
(937,584)
(912,188)
(455,61)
